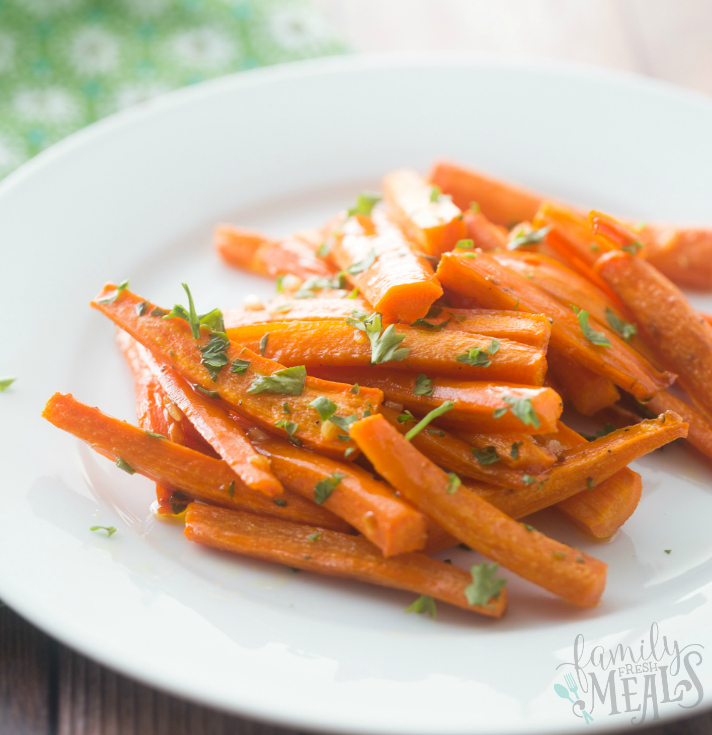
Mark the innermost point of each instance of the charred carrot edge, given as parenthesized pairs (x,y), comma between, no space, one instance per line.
(518,451)
(336,344)
(170,340)
(700,431)
(492,285)
(399,282)
(368,505)
(432,223)
(571,574)
(501,202)
(601,510)
(483,233)
(588,392)
(334,554)
(587,466)
(446,450)
(478,405)
(684,255)
(250,250)
(176,466)
(218,429)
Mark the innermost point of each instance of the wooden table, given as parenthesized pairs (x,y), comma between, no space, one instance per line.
(46,689)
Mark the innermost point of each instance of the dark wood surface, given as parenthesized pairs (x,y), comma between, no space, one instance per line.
(47,689)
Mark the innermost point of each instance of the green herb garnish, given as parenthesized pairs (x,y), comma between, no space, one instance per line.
(530,238)
(122,464)
(280,502)
(475,357)
(355,389)
(439,411)
(5,383)
(589,483)
(142,308)
(465,244)
(325,407)
(485,456)
(453,482)
(423,386)
(632,247)
(355,268)
(424,604)
(384,343)
(594,337)
(263,343)
(239,367)
(109,529)
(514,454)
(364,204)
(485,586)
(206,392)
(435,193)
(314,537)
(291,428)
(153,434)
(286,382)
(324,488)
(522,408)
(231,489)
(215,354)
(625,329)
(119,290)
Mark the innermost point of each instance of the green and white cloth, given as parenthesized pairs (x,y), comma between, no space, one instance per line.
(66,63)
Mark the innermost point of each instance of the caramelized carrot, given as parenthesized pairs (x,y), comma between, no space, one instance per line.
(219,430)
(333,554)
(587,466)
(294,310)
(483,233)
(518,451)
(435,352)
(700,431)
(613,234)
(446,450)
(351,493)
(670,325)
(684,254)
(588,392)
(479,407)
(175,466)
(392,276)
(252,251)
(566,572)
(170,340)
(492,285)
(501,202)
(431,221)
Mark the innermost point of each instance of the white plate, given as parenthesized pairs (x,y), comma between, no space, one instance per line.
(136,196)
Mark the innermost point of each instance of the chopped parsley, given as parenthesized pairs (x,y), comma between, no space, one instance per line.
(430,325)
(188,315)
(119,290)
(179,502)
(485,586)
(589,483)
(514,454)
(355,389)
(215,353)
(364,204)
(109,529)
(324,249)
(286,382)
(157,311)
(435,193)
(313,284)
(594,337)
(325,407)
(633,247)
(324,488)
(453,482)
(384,343)
(439,411)
(625,329)
(263,343)
(528,527)
(206,392)
(363,265)
(494,346)
(122,464)
(280,502)
(522,408)
(141,308)
(5,383)
(485,456)
(423,386)
(344,422)
(560,555)
(530,238)
(465,244)
(231,489)
(291,428)
(668,551)
(528,479)
(405,417)
(239,367)
(153,434)
(314,537)
(349,452)
(424,604)
(286,408)
(475,357)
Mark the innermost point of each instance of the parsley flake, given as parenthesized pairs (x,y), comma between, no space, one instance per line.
(528,479)
(668,551)
(435,193)
(465,244)
(355,268)
(485,456)
(239,367)
(364,204)
(206,392)
(423,386)
(439,411)
(141,308)
(424,604)
(324,488)
(355,389)
(286,408)
(349,452)
(109,529)
(494,346)
(231,489)
(290,427)
(384,343)
(325,407)
(153,434)
(453,482)
(119,290)
(122,464)
(625,329)
(314,537)
(632,247)
(157,311)
(281,502)
(594,337)
(5,383)
(475,357)
(324,249)
(286,382)
(528,527)
(214,354)
(589,483)
(522,408)
(405,417)
(485,586)
(514,454)
(263,343)
(530,238)
(560,555)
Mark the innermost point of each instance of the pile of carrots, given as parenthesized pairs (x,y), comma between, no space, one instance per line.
(403,391)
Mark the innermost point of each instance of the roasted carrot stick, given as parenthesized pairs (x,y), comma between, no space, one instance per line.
(170,340)
(492,285)
(683,254)
(588,392)
(219,430)
(294,310)
(252,251)
(670,325)
(175,466)
(700,431)
(501,202)
(447,451)
(350,493)
(518,451)
(483,233)
(431,221)
(434,352)
(603,509)
(587,466)
(480,407)
(333,554)
(379,261)
(566,572)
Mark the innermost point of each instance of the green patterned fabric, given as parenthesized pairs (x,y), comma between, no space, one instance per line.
(67,63)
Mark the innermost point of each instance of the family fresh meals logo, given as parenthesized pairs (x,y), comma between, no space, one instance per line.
(603,682)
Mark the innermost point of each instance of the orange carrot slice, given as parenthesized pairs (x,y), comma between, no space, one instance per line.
(333,554)
(518,451)
(700,431)
(683,254)
(483,233)
(566,572)
(588,392)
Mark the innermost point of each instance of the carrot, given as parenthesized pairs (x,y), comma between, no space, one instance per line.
(575,576)
(501,202)
(334,554)
(492,285)
(479,406)
(446,450)
(684,254)
(681,338)
(176,466)
(518,451)
(255,252)
(612,234)
(454,354)
(586,466)
(379,261)
(219,430)
(588,392)
(700,432)
(170,340)
(431,221)
(350,493)
(296,310)
(483,233)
